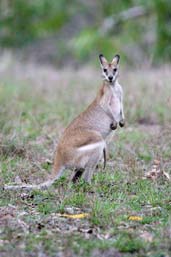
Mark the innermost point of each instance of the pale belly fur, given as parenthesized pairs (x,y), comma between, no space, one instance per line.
(116,107)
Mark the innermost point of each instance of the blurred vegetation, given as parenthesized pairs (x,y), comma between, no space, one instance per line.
(23,21)
(163,46)
(77,28)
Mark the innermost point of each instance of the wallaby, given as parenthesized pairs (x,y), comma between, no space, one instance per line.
(83,143)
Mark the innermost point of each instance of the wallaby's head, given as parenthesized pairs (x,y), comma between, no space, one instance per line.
(109,69)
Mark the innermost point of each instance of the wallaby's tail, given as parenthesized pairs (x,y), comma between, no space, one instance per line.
(56,173)
(104,156)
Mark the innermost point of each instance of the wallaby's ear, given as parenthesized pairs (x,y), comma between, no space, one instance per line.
(116,59)
(103,60)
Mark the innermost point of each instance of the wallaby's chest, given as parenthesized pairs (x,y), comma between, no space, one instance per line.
(115,103)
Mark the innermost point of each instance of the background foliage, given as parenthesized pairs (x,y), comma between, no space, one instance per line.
(74,30)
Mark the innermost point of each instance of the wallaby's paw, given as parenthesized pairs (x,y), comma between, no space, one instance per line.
(113,126)
(122,123)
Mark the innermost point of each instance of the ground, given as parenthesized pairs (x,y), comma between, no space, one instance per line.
(126,210)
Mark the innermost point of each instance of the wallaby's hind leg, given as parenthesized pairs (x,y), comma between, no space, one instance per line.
(87,175)
(83,150)
(94,158)
(77,175)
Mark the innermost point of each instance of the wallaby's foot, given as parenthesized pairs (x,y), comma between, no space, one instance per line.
(77,175)
(122,123)
(113,125)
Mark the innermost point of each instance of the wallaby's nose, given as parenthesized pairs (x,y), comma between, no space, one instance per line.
(110,78)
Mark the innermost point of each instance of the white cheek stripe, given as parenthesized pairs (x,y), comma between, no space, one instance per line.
(91,146)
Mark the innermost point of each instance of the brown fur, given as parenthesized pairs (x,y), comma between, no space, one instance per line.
(81,131)
(83,142)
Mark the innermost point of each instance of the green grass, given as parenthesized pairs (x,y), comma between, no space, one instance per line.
(32,120)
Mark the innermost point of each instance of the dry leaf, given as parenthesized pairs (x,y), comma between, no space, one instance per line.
(72,210)
(166,175)
(153,174)
(156,162)
(87,230)
(135,218)
(156,172)
(48,161)
(18,180)
(75,216)
(146,236)
(2,242)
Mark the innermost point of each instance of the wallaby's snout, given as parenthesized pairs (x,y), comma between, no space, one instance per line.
(110,78)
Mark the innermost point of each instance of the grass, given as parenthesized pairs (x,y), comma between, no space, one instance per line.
(34,109)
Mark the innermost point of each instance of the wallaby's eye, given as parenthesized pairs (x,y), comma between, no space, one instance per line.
(105,70)
(114,69)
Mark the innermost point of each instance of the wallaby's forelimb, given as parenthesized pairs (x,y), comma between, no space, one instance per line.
(113,126)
